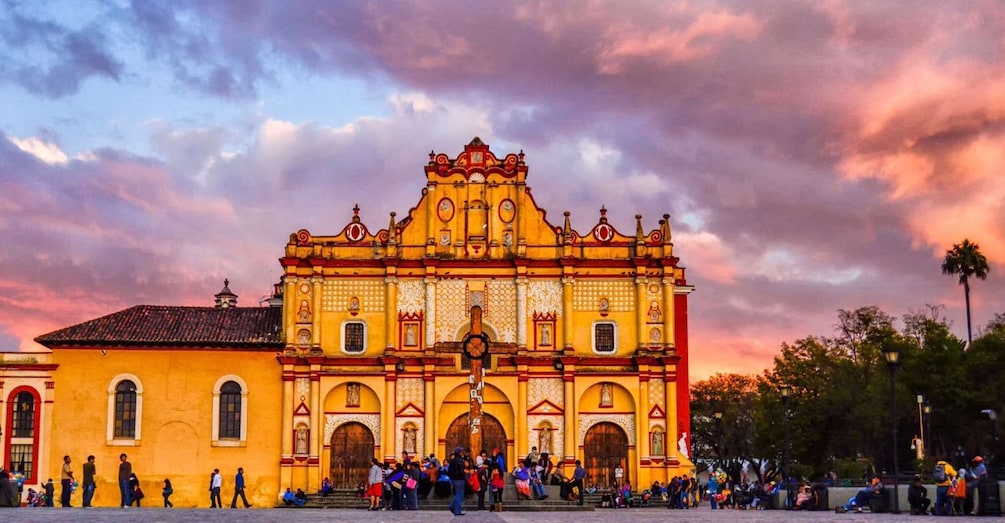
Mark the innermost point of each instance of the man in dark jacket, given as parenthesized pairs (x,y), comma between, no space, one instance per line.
(917,496)
(458,477)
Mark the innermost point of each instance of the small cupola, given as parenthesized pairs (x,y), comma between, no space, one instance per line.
(226,298)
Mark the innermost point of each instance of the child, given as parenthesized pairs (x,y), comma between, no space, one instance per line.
(167,493)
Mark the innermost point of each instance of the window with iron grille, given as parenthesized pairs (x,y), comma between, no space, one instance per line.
(23,422)
(603,337)
(230,411)
(125,410)
(355,337)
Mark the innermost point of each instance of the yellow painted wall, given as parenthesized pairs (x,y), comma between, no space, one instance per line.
(176,422)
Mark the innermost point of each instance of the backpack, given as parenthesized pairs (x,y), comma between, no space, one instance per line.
(939,474)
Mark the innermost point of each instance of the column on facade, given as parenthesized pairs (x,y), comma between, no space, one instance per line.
(317,428)
(642,428)
(429,412)
(388,439)
(316,284)
(286,452)
(669,334)
(430,311)
(431,241)
(672,437)
(390,311)
(290,307)
(641,308)
(567,328)
(521,312)
(522,430)
(570,429)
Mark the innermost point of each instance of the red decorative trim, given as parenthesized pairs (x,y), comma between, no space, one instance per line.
(537,410)
(36,423)
(656,412)
(302,410)
(286,461)
(410,406)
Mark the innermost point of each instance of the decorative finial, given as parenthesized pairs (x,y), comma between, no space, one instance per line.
(355,210)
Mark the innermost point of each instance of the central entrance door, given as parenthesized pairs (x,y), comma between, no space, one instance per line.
(493,435)
(605,447)
(351,449)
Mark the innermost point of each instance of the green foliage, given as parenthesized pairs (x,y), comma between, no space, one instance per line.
(839,412)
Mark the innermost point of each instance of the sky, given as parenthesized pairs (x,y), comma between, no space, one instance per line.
(812,155)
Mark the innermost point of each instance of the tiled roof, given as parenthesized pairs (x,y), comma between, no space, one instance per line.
(146,325)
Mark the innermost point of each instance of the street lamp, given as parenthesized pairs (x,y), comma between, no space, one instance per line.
(926,409)
(892,355)
(786,391)
(717,414)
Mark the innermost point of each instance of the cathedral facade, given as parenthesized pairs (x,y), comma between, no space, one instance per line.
(362,353)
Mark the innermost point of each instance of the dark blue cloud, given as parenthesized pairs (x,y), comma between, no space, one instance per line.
(50,59)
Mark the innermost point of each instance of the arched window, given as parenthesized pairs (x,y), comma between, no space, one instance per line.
(125,410)
(230,411)
(23,422)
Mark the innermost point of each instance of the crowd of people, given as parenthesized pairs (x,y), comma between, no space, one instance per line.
(402,485)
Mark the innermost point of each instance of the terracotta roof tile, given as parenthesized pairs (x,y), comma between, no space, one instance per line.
(145,325)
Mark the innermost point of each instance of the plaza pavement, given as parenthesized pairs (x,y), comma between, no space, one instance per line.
(637,515)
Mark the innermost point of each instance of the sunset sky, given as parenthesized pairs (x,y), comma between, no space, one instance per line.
(812,155)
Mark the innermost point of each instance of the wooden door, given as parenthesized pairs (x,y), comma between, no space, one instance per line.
(351,450)
(604,448)
(493,435)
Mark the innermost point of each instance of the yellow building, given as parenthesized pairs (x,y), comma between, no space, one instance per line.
(587,350)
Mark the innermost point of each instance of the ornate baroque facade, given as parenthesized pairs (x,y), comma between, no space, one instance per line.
(588,331)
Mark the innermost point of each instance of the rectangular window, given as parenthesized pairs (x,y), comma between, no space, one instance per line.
(355,337)
(230,411)
(24,416)
(125,415)
(20,460)
(603,337)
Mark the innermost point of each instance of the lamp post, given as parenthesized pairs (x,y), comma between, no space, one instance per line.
(892,355)
(921,427)
(717,414)
(926,409)
(786,391)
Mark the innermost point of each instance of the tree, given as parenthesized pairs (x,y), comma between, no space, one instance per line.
(966,260)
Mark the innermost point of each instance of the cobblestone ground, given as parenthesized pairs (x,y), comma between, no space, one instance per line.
(700,515)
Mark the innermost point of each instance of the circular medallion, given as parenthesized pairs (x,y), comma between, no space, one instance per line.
(476,346)
(445,210)
(507,211)
(603,232)
(355,232)
(305,288)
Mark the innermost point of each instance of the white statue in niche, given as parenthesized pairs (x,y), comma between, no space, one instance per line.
(301,447)
(657,443)
(544,440)
(682,445)
(606,395)
(409,440)
(352,395)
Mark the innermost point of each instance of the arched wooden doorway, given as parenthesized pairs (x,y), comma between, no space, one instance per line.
(351,450)
(493,435)
(604,448)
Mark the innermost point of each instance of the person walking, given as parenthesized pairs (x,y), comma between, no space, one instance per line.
(125,471)
(89,471)
(215,482)
(66,480)
(458,479)
(168,490)
(239,489)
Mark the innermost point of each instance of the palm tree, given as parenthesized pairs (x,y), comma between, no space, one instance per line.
(966,260)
